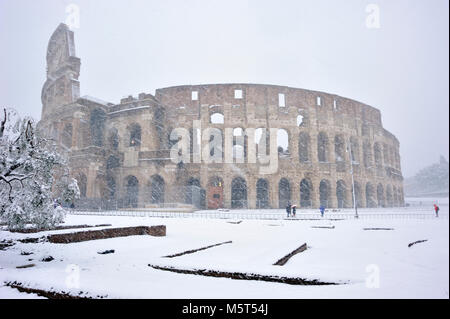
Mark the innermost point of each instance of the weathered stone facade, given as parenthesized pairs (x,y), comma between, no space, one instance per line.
(120,153)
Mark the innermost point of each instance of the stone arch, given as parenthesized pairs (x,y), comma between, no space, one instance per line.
(110,187)
(216,118)
(193,190)
(370,195)
(341,194)
(395,196)
(339,148)
(380,195)
(132,191)
(378,155)
(401,200)
(97,123)
(386,154)
(112,162)
(262,193)
(306,189)
(239,144)
(239,193)
(67,135)
(82,184)
(367,154)
(215,193)
(389,198)
(158,187)
(322,147)
(282,142)
(303,147)
(113,139)
(354,149)
(135,134)
(325,193)
(284,193)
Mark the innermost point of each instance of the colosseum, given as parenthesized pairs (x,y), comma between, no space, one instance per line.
(248,145)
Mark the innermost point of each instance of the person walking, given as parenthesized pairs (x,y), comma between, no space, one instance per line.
(288,209)
(322,210)
(294,210)
(436,210)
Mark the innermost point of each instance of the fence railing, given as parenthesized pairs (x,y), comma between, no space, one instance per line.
(275,215)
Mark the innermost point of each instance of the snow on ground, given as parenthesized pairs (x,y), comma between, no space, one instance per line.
(346,254)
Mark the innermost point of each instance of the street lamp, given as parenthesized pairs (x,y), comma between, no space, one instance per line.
(349,149)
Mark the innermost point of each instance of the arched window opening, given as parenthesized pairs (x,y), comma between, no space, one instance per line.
(367,153)
(378,155)
(324,193)
(262,193)
(238,193)
(380,196)
(322,147)
(113,139)
(389,198)
(339,148)
(341,194)
(97,123)
(67,135)
(157,189)
(303,147)
(283,143)
(370,196)
(110,187)
(354,150)
(217,118)
(82,184)
(132,192)
(305,193)
(135,135)
(284,193)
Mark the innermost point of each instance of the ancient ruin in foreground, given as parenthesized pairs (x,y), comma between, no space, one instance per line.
(120,154)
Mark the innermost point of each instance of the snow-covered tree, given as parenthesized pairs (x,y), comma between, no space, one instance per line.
(29,164)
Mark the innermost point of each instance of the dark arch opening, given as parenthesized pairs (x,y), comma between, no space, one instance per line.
(262,193)
(157,189)
(239,193)
(341,190)
(324,191)
(305,193)
(284,193)
(132,192)
(370,196)
(380,195)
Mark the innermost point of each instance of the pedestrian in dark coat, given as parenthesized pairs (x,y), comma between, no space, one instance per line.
(294,210)
(288,209)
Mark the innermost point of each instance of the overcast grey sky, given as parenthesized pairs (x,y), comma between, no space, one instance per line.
(130,46)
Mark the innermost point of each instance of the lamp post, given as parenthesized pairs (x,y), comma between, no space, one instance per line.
(353,180)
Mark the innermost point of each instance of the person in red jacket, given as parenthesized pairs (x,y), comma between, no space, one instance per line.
(436,209)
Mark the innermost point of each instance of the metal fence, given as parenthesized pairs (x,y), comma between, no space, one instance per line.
(269,214)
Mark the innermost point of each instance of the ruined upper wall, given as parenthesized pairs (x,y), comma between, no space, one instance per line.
(63,69)
(263,101)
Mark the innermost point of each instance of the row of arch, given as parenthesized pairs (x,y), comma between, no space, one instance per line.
(375,195)
(376,155)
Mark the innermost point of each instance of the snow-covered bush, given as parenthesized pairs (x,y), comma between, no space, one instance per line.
(29,164)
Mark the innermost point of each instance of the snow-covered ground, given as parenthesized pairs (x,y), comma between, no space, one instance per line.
(368,263)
